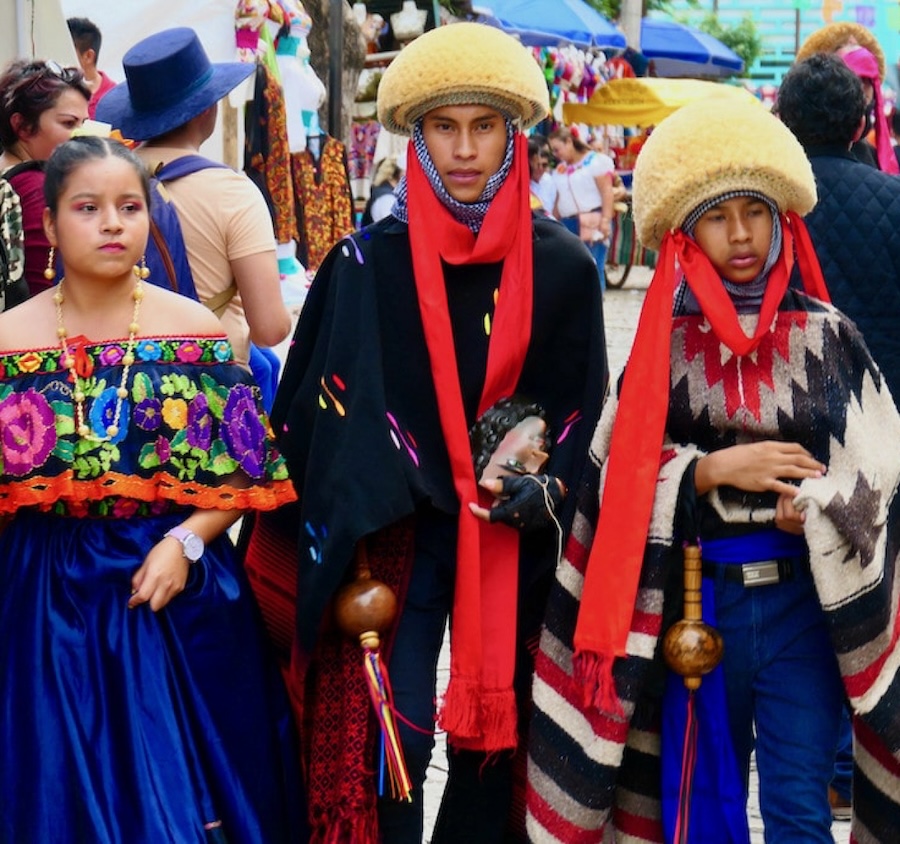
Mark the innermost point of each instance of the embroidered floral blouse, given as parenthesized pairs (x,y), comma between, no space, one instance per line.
(191,432)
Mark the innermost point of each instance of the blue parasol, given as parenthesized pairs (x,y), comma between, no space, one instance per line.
(548,23)
(680,50)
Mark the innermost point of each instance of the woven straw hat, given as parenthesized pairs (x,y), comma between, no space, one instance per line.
(462,64)
(834,36)
(708,148)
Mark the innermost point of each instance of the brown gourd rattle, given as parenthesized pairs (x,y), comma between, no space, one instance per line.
(364,609)
(691,647)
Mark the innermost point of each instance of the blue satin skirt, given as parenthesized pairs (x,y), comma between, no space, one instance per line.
(128,726)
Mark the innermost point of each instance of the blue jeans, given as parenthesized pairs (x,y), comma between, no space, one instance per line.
(782,679)
(842,782)
(598,249)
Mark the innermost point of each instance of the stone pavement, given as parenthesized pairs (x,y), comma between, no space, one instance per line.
(621,310)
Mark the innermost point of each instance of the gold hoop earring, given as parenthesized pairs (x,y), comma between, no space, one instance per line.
(50,272)
(141,270)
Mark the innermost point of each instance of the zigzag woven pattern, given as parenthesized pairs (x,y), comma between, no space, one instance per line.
(594,775)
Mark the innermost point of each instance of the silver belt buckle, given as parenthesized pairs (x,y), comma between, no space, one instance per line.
(760,574)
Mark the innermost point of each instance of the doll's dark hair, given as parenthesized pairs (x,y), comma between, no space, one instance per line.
(495,423)
(69,156)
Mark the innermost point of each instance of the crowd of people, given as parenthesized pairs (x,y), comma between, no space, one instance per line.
(445,448)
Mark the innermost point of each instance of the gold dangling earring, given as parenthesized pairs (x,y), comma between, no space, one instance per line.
(141,270)
(50,272)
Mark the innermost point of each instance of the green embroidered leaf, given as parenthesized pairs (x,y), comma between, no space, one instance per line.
(65,417)
(95,387)
(141,387)
(220,462)
(201,456)
(87,466)
(148,458)
(64,450)
(180,444)
(83,446)
(216,395)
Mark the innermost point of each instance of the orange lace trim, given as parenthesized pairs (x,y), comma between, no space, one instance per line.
(43,492)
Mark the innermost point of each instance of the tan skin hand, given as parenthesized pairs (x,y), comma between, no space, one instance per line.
(787,517)
(757,467)
(164,572)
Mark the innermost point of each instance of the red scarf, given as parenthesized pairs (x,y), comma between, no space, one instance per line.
(479,709)
(614,565)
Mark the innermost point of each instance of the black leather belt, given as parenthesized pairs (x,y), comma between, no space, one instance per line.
(760,573)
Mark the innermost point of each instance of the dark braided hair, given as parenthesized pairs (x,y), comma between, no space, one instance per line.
(68,156)
(495,423)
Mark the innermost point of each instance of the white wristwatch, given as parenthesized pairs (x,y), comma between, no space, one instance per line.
(191,544)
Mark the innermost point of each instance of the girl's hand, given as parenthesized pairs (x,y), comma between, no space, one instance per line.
(787,517)
(757,467)
(162,576)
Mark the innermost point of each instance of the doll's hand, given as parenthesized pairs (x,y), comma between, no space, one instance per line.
(162,576)
(757,467)
(526,502)
(787,517)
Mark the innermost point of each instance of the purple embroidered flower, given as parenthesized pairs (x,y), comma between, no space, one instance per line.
(149,350)
(163,449)
(27,432)
(112,355)
(103,414)
(243,432)
(199,423)
(189,352)
(148,414)
(222,351)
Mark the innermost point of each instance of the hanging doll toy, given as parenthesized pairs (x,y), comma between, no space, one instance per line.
(259,24)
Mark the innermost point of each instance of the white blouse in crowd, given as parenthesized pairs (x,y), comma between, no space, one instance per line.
(576,185)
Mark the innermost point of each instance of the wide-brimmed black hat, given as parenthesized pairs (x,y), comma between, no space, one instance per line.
(169,79)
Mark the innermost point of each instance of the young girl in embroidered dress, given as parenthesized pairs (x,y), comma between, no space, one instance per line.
(139,701)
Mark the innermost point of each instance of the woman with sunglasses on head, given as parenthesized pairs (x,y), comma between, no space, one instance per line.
(40,104)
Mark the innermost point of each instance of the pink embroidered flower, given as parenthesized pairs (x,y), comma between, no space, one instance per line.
(27,432)
(112,355)
(189,352)
(163,449)
(123,508)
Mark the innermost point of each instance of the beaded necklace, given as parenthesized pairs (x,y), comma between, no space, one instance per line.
(81,427)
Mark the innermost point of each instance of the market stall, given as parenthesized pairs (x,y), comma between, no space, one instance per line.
(640,103)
